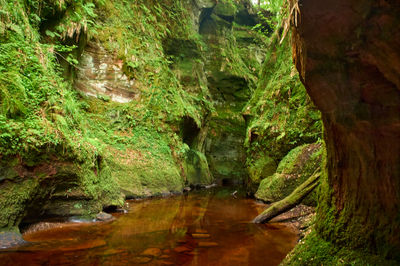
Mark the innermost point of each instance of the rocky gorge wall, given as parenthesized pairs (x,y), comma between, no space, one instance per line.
(225,73)
(101,74)
(152,102)
(346,52)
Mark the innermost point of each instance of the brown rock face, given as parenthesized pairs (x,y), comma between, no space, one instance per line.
(101,74)
(348,54)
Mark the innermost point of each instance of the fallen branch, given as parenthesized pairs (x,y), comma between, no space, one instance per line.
(290,201)
(234,194)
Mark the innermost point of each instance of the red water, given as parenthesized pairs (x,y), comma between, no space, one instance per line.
(205,228)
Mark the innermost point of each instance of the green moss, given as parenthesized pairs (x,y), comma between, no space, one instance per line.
(144,164)
(295,168)
(154,178)
(260,168)
(110,147)
(281,115)
(14,198)
(98,183)
(225,8)
(313,250)
(196,168)
(291,160)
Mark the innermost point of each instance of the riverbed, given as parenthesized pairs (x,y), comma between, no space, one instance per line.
(209,227)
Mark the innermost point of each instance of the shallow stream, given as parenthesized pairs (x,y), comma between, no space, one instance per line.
(202,228)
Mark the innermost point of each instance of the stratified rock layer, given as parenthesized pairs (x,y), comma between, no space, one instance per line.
(100,74)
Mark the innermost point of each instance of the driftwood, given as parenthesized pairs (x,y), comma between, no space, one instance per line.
(290,201)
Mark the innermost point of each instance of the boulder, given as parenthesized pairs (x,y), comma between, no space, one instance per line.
(104,217)
(295,168)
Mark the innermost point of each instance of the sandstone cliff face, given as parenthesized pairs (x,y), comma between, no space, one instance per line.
(101,74)
(348,55)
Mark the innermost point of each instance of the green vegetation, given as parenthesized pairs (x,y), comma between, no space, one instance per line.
(48,129)
(284,115)
(58,145)
(294,169)
(313,250)
(201,91)
(280,114)
(290,201)
(44,121)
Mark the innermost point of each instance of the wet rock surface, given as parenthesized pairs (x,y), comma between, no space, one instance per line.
(11,239)
(152,252)
(104,217)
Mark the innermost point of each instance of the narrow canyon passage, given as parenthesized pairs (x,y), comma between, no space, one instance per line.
(118,117)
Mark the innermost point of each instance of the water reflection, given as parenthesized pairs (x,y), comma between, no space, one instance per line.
(203,228)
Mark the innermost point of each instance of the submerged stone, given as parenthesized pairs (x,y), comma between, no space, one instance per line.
(207,244)
(11,239)
(201,235)
(166,263)
(85,245)
(142,260)
(104,217)
(152,252)
(182,249)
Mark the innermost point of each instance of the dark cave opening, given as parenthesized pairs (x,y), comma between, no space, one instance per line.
(190,130)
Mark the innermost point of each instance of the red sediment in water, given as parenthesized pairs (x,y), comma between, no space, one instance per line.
(197,229)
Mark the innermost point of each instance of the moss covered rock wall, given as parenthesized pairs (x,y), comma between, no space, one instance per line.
(295,168)
(96,102)
(280,115)
(233,59)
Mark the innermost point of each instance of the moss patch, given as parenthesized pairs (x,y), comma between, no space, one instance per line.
(313,250)
(280,114)
(259,169)
(196,168)
(296,167)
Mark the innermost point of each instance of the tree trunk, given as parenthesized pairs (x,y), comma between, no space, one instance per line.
(347,53)
(290,201)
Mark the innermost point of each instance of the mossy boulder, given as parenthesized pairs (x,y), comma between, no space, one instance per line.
(205,3)
(225,8)
(259,169)
(295,168)
(196,168)
(148,177)
(55,188)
